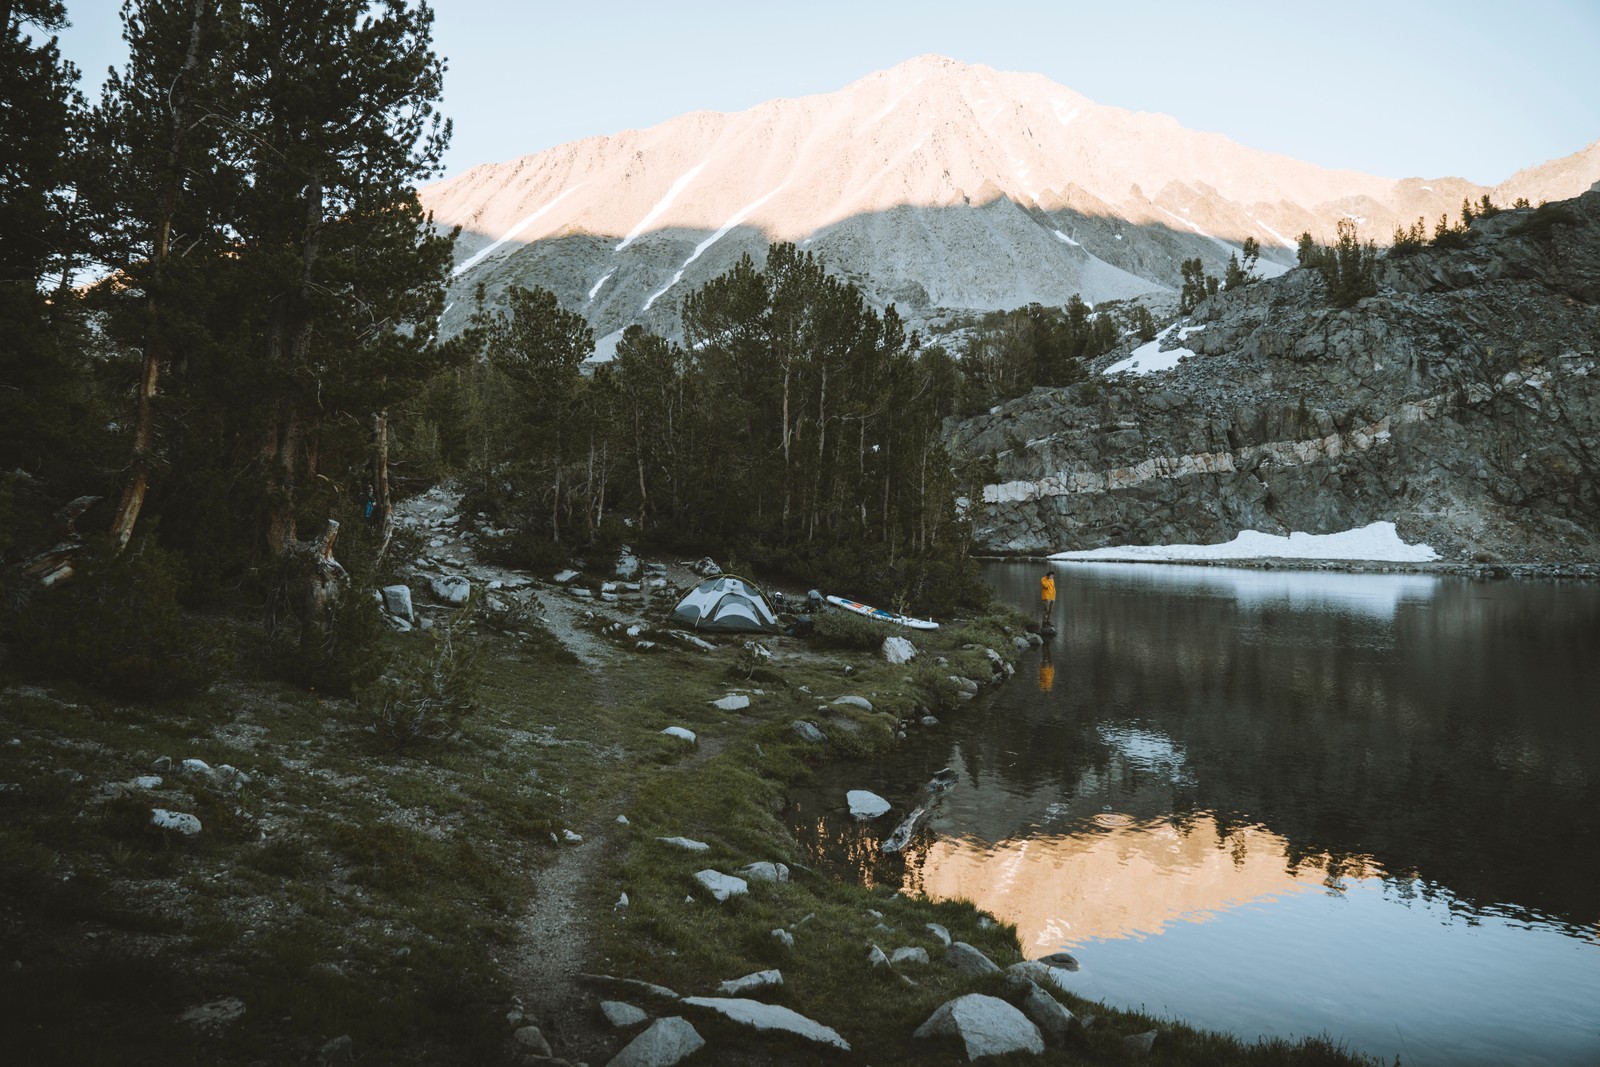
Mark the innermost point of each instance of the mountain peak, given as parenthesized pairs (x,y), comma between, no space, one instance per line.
(936,184)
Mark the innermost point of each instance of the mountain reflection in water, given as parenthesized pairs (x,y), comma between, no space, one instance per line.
(1281,804)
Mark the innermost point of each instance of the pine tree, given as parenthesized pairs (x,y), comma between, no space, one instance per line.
(339,128)
(1197,285)
(40,116)
(651,374)
(1350,267)
(1144,323)
(1233,275)
(1307,251)
(45,396)
(538,347)
(158,170)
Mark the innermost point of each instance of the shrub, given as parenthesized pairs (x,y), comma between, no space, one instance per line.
(838,628)
(943,582)
(1545,219)
(525,550)
(118,627)
(935,687)
(344,658)
(1409,241)
(425,695)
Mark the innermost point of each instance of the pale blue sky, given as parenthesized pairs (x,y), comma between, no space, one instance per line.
(1404,88)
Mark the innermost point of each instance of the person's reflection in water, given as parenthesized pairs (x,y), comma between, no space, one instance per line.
(1047,669)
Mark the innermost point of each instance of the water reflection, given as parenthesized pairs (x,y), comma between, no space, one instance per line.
(1053,884)
(1354,807)
(1148,750)
(1377,596)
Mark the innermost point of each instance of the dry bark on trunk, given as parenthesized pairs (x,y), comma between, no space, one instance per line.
(321,586)
(382,505)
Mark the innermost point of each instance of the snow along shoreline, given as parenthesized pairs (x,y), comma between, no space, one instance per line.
(1370,549)
(1377,543)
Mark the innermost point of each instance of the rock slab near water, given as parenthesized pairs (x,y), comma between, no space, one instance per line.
(865,804)
(965,959)
(986,1026)
(762,1016)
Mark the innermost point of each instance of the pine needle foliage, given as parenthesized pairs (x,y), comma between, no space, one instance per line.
(426,695)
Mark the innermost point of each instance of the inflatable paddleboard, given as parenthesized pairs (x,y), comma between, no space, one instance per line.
(882,616)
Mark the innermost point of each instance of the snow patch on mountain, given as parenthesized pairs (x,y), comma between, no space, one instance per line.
(506,237)
(708,242)
(1149,357)
(661,205)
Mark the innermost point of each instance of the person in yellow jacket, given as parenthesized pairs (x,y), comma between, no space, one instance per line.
(1047,596)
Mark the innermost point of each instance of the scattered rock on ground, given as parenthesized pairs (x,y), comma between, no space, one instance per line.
(865,804)
(968,960)
(688,844)
(633,983)
(340,1050)
(177,821)
(898,650)
(213,1015)
(987,1026)
(622,1015)
(1065,960)
(452,588)
(808,732)
(397,602)
(1141,1044)
(758,980)
(722,886)
(771,1017)
(1048,1014)
(666,1042)
(532,1039)
(764,871)
(1040,974)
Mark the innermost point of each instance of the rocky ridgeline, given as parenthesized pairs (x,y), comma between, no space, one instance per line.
(1462,402)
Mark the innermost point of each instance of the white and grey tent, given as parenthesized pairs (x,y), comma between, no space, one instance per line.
(726,603)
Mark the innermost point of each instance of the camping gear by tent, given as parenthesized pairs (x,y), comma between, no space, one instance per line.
(726,603)
(881,615)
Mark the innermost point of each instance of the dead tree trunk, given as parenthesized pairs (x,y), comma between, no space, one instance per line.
(382,505)
(321,582)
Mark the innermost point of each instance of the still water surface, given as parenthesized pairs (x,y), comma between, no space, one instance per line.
(1281,804)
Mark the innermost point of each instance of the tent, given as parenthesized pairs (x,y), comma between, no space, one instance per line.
(726,603)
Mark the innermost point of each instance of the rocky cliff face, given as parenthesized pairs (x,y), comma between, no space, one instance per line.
(1462,403)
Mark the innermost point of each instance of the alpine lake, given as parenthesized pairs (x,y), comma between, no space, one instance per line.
(1278,803)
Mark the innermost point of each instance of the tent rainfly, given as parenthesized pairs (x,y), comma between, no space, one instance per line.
(726,603)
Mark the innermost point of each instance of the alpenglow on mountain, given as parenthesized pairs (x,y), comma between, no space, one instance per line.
(935,185)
